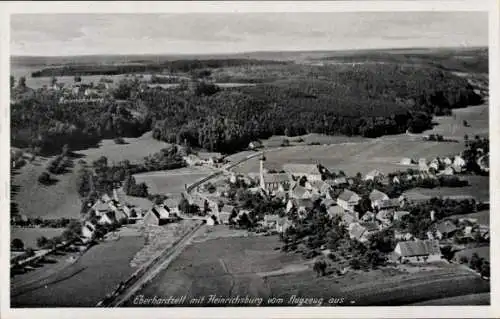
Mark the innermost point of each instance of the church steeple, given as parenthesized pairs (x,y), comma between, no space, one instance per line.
(261,172)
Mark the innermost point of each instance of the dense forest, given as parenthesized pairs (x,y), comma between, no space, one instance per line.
(369,100)
(170,66)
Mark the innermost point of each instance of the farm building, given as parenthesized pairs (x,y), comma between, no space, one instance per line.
(310,171)
(418,251)
(398,215)
(107,218)
(376,197)
(348,199)
(254,145)
(157,215)
(413,197)
(335,211)
(407,161)
(445,229)
(392,203)
(373,175)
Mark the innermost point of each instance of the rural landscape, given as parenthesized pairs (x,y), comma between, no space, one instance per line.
(268,178)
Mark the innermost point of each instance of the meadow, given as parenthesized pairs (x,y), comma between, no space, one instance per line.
(383,154)
(30,235)
(134,149)
(171,181)
(252,266)
(482,252)
(483,217)
(91,277)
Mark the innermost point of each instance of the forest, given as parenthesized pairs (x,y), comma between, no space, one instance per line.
(368,100)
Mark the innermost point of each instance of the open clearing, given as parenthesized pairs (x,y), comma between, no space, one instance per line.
(252,267)
(171,181)
(482,252)
(479,187)
(92,276)
(29,235)
(383,154)
(134,150)
(58,200)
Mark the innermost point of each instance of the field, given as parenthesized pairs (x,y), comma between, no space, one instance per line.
(58,200)
(383,154)
(252,267)
(479,187)
(29,235)
(172,181)
(276,141)
(482,252)
(92,276)
(483,217)
(134,150)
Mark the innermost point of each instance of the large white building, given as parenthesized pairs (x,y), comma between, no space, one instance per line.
(310,171)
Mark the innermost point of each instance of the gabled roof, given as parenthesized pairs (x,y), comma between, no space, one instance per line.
(415,196)
(298,191)
(446,227)
(277,178)
(100,206)
(377,195)
(299,169)
(335,211)
(160,212)
(389,203)
(419,248)
(356,231)
(227,209)
(370,226)
(400,213)
(348,195)
(328,202)
(385,215)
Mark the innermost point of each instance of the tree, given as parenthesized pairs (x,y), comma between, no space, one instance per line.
(30,252)
(53,81)
(466,124)
(21,84)
(12,82)
(475,262)
(184,205)
(485,269)
(45,178)
(77,79)
(16,244)
(41,242)
(320,267)
(285,142)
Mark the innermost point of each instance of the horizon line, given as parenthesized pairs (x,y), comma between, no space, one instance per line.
(258,51)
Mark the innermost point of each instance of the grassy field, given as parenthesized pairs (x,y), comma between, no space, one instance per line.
(134,150)
(383,154)
(276,141)
(172,181)
(483,217)
(479,187)
(91,277)
(29,235)
(58,200)
(482,252)
(481,299)
(253,267)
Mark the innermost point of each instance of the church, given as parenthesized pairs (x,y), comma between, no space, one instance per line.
(273,182)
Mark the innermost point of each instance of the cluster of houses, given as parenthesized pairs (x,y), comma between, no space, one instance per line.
(80,92)
(201,159)
(438,166)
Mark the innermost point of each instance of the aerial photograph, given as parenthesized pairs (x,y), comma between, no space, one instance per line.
(303,159)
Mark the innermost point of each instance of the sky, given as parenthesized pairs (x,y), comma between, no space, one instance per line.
(199,33)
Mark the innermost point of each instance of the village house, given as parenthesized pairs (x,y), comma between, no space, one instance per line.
(404,236)
(225,214)
(362,231)
(348,200)
(88,230)
(172,206)
(447,161)
(368,217)
(407,161)
(376,198)
(310,171)
(413,197)
(130,211)
(422,165)
(459,163)
(327,202)
(300,205)
(374,174)
(254,145)
(398,215)
(300,192)
(445,229)
(283,224)
(395,180)
(157,216)
(334,211)
(107,218)
(388,204)
(270,221)
(385,217)
(276,182)
(418,251)
(210,221)
(100,208)
(192,160)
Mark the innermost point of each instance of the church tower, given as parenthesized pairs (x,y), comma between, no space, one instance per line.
(261,172)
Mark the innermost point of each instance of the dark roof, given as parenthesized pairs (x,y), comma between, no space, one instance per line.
(299,169)
(388,203)
(370,226)
(446,227)
(335,211)
(277,178)
(419,248)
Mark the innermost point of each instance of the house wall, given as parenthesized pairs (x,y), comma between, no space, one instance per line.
(151,219)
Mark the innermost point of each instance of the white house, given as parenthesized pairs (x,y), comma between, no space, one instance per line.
(459,163)
(407,161)
(348,200)
(373,175)
(88,230)
(107,218)
(376,197)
